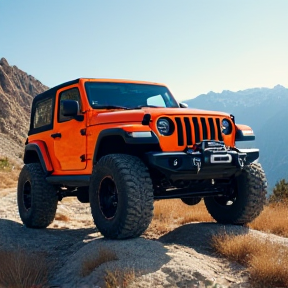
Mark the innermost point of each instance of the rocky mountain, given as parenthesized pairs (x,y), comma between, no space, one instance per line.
(17,90)
(265,110)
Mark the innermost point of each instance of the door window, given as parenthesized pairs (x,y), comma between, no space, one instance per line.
(71,94)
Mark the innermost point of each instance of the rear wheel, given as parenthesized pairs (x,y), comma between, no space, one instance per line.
(121,196)
(37,199)
(247,200)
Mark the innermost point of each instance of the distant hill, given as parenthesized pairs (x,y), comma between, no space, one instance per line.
(266,111)
(17,90)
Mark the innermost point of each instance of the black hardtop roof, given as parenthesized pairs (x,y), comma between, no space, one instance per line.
(52,91)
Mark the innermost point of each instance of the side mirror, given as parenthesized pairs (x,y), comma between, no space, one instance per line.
(71,108)
(183,105)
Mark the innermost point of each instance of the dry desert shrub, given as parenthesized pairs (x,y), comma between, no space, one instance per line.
(93,261)
(273,219)
(9,172)
(267,262)
(21,269)
(9,179)
(5,164)
(119,278)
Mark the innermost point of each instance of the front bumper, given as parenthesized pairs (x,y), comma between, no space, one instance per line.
(205,164)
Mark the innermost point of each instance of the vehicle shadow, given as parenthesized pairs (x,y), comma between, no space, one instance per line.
(68,249)
(16,235)
(199,235)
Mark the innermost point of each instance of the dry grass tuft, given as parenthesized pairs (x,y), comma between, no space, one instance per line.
(95,261)
(270,266)
(238,248)
(61,217)
(169,214)
(20,269)
(119,278)
(267,262)
(273,219)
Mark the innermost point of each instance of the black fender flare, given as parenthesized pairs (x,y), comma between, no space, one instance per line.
(128,139)
(42,153)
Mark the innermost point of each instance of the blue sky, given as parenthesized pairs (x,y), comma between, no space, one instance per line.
(192,46)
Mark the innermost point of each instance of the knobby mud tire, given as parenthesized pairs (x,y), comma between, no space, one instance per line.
(134,190)
(251,189)
(43,199)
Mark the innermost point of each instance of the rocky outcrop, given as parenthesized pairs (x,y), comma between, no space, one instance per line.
(17,90)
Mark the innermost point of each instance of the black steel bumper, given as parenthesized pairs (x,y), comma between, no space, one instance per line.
(201,164)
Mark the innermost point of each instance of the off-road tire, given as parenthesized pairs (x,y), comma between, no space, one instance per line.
(134,189)
(191,201)
(249,200)
(37,199)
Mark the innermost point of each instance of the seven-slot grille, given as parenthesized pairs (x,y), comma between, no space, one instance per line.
(192,130)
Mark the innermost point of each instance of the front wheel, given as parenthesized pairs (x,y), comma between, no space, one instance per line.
(247,200)
(121,196)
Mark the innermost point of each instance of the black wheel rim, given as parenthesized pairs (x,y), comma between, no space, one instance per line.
(108,197)
(225,201)
(27,199)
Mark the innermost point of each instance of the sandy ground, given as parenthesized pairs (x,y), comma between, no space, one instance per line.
(181,258)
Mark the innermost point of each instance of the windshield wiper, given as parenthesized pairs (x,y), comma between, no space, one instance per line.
(142,106)
(110,107)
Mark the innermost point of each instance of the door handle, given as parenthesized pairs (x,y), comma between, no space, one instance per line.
(56,135)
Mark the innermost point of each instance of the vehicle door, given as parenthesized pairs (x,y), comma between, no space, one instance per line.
(69,138)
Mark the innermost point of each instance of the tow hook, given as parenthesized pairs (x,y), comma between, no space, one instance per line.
(241,162)
(197,162)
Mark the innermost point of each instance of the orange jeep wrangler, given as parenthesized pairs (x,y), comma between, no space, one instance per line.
(122,144)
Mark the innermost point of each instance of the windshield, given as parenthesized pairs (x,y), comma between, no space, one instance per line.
(128,95)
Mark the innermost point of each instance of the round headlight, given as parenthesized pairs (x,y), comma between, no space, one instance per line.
(165,126)
(226,127)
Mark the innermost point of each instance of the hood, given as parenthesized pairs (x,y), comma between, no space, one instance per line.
(118,116)
(115,116)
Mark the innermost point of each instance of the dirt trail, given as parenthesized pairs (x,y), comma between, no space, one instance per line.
(181,258)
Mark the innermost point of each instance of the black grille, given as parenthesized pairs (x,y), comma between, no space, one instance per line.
(191,130)
(179,131)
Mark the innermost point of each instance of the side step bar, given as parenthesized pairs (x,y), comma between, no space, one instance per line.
(70,180)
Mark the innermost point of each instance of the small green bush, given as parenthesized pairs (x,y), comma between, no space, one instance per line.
(280,192)
(5,164)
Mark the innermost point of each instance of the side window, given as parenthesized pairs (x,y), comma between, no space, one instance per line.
(156,101)
(71,94)
(43,113)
